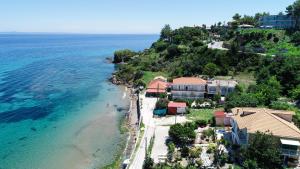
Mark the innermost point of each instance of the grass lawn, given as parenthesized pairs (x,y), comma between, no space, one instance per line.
(243,78)
(148,76)
(200,114)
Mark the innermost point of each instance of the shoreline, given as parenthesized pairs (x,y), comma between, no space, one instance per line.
(127,128)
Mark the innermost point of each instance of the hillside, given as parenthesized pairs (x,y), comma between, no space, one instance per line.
(268,41)
(182,52)
(271,79)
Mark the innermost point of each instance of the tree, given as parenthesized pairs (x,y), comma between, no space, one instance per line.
(295,38)
(173,51)
(182,134)
(269,91)
(184,151)
(123,55)
(148,163)
(241,100)
(211,70)
(295,93)
(264,149)
(236,17)
(250,164)
(294,11)
(263,74)
(166,33)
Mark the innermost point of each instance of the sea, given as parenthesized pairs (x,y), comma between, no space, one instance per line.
(57,108)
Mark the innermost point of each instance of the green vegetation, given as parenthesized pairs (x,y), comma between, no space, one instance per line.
(245,79)
(162,103)
(200,114)
(265,62)
(118,157)
(263,152)
(123,55)
(148,76)
(294,10)
(269,41)
(182,135)
(183,53)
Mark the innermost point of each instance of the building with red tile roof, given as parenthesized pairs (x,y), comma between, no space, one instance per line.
(176,107)
(157,87)
(189,81)
(188,88)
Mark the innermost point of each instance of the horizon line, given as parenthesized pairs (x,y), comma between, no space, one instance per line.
(83,33)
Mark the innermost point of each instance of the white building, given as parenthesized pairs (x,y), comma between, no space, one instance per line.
(222,87)
(188,88)
(247,121)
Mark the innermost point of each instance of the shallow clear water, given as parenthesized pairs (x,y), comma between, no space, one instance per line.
(57,109)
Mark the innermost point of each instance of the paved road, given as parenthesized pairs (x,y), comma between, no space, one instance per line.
(216,45)
(147,107)
(153,126)
(160,148)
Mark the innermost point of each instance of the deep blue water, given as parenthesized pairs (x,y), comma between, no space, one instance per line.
(56,104)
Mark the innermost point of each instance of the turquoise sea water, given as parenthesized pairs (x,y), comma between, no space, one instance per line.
(57,109)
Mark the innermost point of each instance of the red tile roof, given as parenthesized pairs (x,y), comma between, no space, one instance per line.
(189,80)
(158,84)
(219,114)
(177,104)
(155,91)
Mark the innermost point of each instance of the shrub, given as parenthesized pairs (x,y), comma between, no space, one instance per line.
(278,105)
(173,51)
(211,148)
(208,133)
(123,55)
(171,150)
(160,46)
(201,123)
(148,163)
(162,103)
(184,151)
(195,152)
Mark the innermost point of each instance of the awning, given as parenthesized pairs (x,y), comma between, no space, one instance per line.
(155,91)
(290,142)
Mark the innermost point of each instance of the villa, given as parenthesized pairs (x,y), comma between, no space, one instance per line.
(277,21)
(247,121)
(222,87)
(188,88)
(156,87)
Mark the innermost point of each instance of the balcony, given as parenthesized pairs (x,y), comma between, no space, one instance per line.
(290,152)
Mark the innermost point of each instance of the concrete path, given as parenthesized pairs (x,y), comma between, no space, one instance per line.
(216,45)
(153,126)
(147,106)
(160,149)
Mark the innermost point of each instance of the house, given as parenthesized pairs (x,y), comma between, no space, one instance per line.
(188,88)
(277,21)
(176,108)
(222,87)
(246,26)
(157,87)
(247,121)
(222,118)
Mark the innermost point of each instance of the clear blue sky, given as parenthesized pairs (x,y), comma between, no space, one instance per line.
(123,16)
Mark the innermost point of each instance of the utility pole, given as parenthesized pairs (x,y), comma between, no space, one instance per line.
(138,104)
(146,154)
